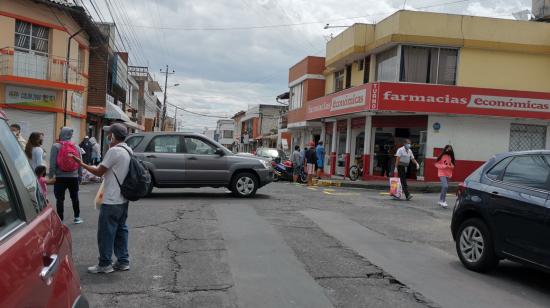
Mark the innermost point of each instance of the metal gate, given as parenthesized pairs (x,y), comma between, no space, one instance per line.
(34,121)
(527,137)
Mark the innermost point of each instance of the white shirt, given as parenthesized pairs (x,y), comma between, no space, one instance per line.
(405,156)
(116,159)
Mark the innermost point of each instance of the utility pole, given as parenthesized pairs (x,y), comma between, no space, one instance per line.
(166,73)
(67,74)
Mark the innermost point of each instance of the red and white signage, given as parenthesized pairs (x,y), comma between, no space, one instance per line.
(427,98)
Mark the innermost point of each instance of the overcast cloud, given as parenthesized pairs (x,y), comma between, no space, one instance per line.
(223,71)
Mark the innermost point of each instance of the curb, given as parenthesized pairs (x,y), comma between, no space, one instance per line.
(382,187)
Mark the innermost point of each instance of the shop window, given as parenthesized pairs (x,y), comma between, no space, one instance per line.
(387,65)
(348,76)
(428,65)
(527,137)
(339,81)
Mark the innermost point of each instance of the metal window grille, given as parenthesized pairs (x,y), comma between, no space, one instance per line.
(527,137)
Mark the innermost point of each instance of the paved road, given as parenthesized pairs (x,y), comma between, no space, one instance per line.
(294,246)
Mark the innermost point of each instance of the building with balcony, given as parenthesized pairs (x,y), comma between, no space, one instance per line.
(477,83)
(237,131)
(259,127)
(224,133)
(43,86)
(148,104)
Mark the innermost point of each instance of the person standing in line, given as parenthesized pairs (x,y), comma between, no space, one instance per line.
(320,152)
(445,164)
(34,151)
(66,174)
(297,163)
(403,157)
(112,232)
(310,160)
(96,152)
(16,130)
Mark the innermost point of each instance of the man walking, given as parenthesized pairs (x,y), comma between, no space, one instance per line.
(112,231)
(297,163)
(403,157)
(16,130)
(66,173)
(320,152)
(311,160)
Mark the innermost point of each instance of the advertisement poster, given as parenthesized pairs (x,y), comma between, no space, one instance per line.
(30,96)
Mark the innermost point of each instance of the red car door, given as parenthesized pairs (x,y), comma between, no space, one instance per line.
(36,267)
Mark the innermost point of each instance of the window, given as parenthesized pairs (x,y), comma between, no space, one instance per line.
(527,137)
(296,96)
(198,146)
(133,142)
(387,65)
(165,144)
(531,171)
(348,76)
(366,70)
(8,210)
(31,38)
(428,65)
(24,170)
(339,81)
(81,60)
(496,172)
(228,134)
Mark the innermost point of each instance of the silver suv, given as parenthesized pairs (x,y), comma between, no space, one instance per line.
(179,160)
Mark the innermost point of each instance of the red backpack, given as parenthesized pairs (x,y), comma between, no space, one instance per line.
(64,161)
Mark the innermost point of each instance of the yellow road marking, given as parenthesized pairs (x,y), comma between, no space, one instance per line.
(340,194)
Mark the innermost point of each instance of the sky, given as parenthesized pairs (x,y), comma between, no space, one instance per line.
(231,54)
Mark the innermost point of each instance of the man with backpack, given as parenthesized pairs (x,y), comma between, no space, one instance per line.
(66,172)
(125,179)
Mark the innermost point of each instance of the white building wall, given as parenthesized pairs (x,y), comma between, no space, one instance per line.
(474,138)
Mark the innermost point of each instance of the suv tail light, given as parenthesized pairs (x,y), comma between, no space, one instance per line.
(461,189)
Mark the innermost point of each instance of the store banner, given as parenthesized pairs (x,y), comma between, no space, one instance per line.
(463,100)
(428,98)
(347,101)
(29,96)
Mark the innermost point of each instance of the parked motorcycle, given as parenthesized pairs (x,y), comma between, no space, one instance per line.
(284,171)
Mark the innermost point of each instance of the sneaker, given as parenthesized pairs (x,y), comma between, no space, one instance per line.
(409,197)
(96,269)
(78,220)
(443,204)
(121,267)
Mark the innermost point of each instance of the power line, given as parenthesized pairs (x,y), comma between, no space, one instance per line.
(255,27)
(197,113)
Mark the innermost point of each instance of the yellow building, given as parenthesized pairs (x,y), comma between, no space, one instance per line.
(35,87)
(481,84)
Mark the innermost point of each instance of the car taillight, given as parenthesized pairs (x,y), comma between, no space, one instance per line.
(461,189)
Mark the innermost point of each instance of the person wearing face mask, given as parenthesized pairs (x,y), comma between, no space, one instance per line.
(403,157)
(445,164)
(34,151)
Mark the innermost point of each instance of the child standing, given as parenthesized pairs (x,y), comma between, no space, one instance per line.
(445,164)
(40,172)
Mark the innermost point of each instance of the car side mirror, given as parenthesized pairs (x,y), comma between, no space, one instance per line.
(219,151)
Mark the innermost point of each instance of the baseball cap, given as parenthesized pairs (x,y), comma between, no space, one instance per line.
(118,130)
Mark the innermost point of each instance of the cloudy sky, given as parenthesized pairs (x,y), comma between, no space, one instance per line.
(230,54)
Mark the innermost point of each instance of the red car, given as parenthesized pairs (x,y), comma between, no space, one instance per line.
(36,265)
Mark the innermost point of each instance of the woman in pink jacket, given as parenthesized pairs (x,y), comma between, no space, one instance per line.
(445,164)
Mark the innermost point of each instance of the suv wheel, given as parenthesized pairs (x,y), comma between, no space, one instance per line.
(475,247)
(244,185)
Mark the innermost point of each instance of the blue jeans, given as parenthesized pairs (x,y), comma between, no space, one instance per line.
(444,188)
(112,234)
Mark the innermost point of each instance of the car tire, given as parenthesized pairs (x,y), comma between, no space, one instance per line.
(244,185)
(475,246)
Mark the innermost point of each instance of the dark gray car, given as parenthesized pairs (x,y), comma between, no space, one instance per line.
(179,160)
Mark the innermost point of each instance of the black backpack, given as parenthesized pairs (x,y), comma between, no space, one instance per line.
(136,184)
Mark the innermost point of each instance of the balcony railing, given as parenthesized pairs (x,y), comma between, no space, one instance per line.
(37,66)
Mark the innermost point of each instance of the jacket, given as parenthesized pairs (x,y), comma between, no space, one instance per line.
(65,135)
(445,166)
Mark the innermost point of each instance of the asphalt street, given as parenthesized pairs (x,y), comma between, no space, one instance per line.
(293,246)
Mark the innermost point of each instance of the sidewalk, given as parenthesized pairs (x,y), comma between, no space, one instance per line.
(414,186)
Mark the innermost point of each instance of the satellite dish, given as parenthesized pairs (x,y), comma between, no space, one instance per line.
(522,15)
